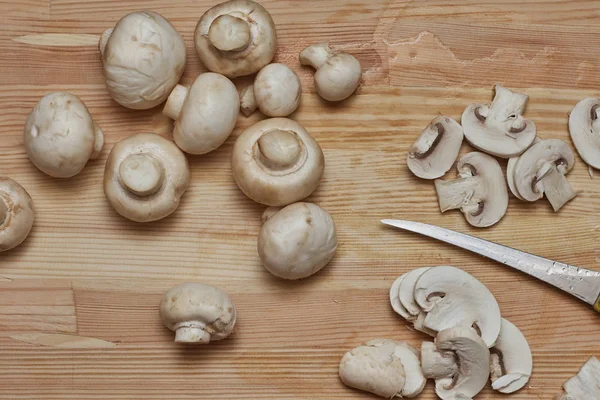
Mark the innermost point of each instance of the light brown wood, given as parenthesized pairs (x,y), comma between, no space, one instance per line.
(79,299)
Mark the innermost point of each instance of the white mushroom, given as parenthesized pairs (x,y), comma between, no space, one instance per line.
(584,127)
(338,73)
(511,361)
(452,297)
(236,38)
(585,385)
(143,58)
(541,170)
(205,114)
(198,313)
(297,241)
(469,375)
(510,173)
(480,192)
(385,367)
(395,299)
(436,148)
(16,214)
(276,92)
(60,135)
(407,289)
(499,129)
(247,100)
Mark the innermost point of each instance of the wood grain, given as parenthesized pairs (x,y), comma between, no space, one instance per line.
(79,299)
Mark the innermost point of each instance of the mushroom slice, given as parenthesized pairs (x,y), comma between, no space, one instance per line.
(436,148)
(541,170)
(584,127)
(499,129)
(468,376)
(511,361)
(407,289)
(452,297)
(510,173)
(585,385)
(480,192)
(16,214)
(385,367)
(395,299)
(236,38)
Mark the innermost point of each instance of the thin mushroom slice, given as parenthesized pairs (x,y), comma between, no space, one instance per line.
(585,385)
(436,148)
(511,361)
(584,127)
(480,192)
(499,129)
(16,214)
(510,173)
(395,299)
(407,288)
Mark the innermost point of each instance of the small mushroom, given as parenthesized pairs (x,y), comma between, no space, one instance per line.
(60,135)
(198,313)
(480,192)
(541,171)
(338,73)
(385,367)
(511,361)
(297,241)
(145,176)
(510,173)
(584,127)
(499,129)
(16,214)
(143,58)
(205,114)
(276,162)
(585,385)
(436,148)
(276,92)
(236,38)
(468,376)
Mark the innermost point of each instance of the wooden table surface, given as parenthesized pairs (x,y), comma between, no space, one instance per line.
(79,299)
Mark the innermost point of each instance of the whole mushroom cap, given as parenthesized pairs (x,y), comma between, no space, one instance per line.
(16,214)
(236,38)
(297,241)
(145,177)
(277,90)
(276,162)
(60,135)
(143,58)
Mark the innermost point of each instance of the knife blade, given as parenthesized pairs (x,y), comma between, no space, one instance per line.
(579,282)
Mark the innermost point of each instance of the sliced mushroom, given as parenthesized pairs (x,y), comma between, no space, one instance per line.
(407,289)
(452,297)
(480,192)
(277,91)
(236,38)
(471,371)
(585,385)
(276,162)
(16,214)
(511,359)
(541,170)
(436,148)
(395,298)
(584,127)
(499,129)
(510,173)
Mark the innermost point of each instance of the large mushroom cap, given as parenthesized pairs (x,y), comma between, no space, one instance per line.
(205,114)
(511,361)
(436,148)
(145,177)
(198,313)
(499,129)
(60,135)
(297,241)
(16,214)
(584,128)
(144,58)
(236,38)
(276,162)
(277,90)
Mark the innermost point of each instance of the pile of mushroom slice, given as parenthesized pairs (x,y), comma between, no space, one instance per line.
(585,385)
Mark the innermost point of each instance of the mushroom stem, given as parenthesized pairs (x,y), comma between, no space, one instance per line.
(98,142)
(507,105)
(437,365)
(461,193)
(191,334)
(141,174)
(104,40)
(316,55)
(175,102)
(229,33)
(427,141)
(247,100)
(3,211)
(279,149)
(556,187)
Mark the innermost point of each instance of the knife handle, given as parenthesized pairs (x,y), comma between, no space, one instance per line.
(597,305)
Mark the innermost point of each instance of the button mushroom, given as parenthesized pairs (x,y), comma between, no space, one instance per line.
(468,375)
(16,214)
(510,173)
(385,367)
(480,192)
(297,241)
(585,385)
(584,128)
(198,313)
(276,92)
(236,38)
(205,114)
(60,135)
(276,162)
(145,176)
(541,170)
(338,73)
(511,361)
(436,148)
(143,58)
(499,129)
